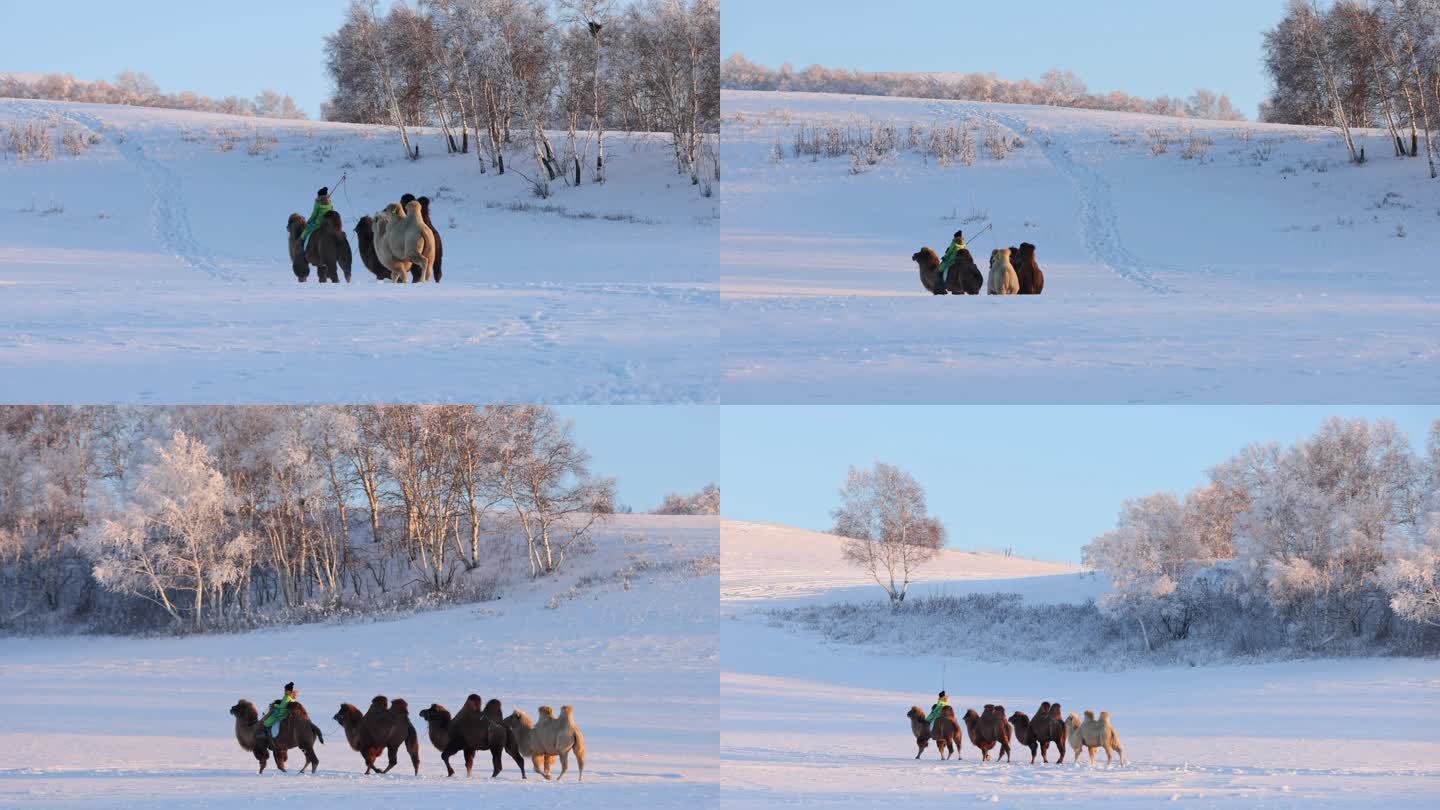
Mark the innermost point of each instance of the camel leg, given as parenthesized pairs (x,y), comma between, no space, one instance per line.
(495,760)
(412,745)
(393,751)
(469,761)
(580,764)
(280,758)
(550,763)
(513,750)
(564,764)
(921,746)
(310,759)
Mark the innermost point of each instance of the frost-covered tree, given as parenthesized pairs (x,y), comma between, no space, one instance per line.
(1155,556)
(704,502)
(887,528)
(546,475)
(165,532)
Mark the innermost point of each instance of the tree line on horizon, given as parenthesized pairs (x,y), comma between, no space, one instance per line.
(1056,88)
(138,89)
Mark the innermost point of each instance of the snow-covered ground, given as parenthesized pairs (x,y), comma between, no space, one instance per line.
(110,722)
(153,268)
(1264,269)
(804,722)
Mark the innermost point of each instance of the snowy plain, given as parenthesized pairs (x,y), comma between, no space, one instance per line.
(805,722)
(1265,268)
(153,268)
(115,722)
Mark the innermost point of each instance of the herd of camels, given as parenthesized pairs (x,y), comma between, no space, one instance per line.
(398,243)
(386,727)
(991,727)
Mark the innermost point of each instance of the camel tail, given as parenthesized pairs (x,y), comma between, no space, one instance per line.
(318,734)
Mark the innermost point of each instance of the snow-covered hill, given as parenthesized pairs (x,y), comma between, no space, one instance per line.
(774,564)
(627,635)
(807,722)
(1260,268)
(153,268)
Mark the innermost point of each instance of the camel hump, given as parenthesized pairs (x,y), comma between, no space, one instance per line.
(568,712)
(1089,714)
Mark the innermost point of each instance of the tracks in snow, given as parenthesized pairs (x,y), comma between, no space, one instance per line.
(1099,223)
(168,209)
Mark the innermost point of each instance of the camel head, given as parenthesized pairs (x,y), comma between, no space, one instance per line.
(244,711)
(1019,720)
(394,212)
(348,716)
(519,718)
(436,714)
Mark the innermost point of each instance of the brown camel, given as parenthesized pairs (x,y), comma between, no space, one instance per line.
(946,732)
(988,729)
(1032,280)
(296,731)
(385,726)
(472,729)
(919,728)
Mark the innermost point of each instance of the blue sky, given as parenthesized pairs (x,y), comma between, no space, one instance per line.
(215,49)
(1141,47)
(653,450)
(1043,479)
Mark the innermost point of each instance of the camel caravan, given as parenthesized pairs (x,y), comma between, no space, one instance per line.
(990,729)
(1013,270)
(385,728)
(398,243)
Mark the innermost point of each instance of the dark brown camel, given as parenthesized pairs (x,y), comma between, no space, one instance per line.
(1032,280)
(989,729)
(385,726)
(328,248)
(365,240)
(472,729)
(296,731)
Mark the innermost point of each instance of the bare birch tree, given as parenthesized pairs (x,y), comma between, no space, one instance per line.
(888,532)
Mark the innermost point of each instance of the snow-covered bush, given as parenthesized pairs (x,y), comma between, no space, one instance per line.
(704,502)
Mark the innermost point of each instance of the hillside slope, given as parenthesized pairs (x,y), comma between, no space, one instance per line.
(627,635)
(767,563)
(808,722)
(1260,268)
(154,267)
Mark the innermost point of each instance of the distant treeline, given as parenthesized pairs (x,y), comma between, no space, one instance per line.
(1057,88)
(139,90)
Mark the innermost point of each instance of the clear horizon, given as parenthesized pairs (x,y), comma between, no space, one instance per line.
(1167,49)
(1040,479)
(215,51)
